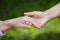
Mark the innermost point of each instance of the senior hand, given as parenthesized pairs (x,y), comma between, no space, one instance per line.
(19,22)
(16,22)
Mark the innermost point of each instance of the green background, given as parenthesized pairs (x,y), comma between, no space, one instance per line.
(15,8)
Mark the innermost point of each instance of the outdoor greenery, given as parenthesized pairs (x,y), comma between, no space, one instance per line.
(15,8)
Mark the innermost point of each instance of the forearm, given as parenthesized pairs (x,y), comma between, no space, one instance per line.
(54,11)
(8,24)
(14,21)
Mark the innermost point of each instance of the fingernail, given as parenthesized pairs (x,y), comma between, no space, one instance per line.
(30,24)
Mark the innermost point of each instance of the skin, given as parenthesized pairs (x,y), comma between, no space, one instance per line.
(4,28)
(43,17)
(35,18)
(7,25)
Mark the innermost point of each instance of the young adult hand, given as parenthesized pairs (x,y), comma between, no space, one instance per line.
(40,18)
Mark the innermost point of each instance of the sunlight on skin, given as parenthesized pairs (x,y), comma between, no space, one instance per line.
(42,18)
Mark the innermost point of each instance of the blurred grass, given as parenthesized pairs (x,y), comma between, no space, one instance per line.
(15,8)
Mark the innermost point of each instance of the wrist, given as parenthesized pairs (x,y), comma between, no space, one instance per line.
(4,28)
(53,12)
(10,22)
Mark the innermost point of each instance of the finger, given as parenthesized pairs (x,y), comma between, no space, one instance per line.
(33,21)
(1,21)
(43,22)
(20,25)
(33,15)
(41,25)
(28,23)
(29,14)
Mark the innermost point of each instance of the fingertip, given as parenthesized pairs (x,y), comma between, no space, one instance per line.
(1,21)
(26,13)
(28,23)
(38,27)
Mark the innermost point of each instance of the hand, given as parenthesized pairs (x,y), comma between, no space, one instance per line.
(19,22)
(41,18)
(16,22)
